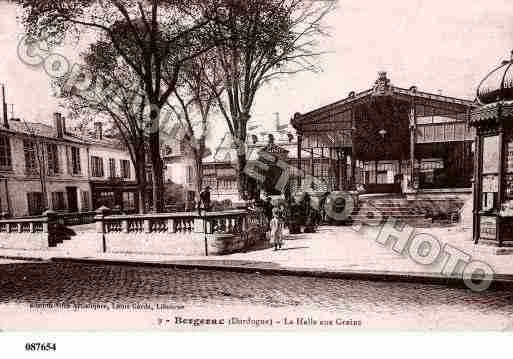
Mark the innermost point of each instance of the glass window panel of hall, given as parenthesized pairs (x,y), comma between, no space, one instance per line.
(5,154)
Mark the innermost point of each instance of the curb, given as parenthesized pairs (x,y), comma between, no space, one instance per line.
(377,276)
(23,258)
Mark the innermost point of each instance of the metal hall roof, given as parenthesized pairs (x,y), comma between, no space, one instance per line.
(381,88)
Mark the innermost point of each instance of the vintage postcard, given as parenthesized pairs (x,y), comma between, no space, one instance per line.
(255,165)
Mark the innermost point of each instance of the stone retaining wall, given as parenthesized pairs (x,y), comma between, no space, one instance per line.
(177,244)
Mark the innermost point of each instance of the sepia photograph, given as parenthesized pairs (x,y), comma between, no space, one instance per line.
(255,165)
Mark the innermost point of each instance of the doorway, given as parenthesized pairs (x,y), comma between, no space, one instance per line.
(72,195)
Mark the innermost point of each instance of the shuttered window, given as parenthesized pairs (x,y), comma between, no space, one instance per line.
(75,161)
(85,200)
(189,174)
(35,203)
(5,153)
(97,166)
(125,169)
(58,201)
(112,168)
(29,148)
(53,159)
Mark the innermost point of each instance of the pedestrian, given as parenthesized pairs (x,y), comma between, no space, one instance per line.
(282,211)
(205,200)
(276,229)
(308,214)
(322,207)
(268,210)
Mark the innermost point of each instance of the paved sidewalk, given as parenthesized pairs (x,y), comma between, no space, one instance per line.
(333,251)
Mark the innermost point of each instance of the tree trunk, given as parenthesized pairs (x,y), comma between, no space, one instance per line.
(243,184)
(156,169)
(140,168)
(158,184)
(199,175)
(242,178)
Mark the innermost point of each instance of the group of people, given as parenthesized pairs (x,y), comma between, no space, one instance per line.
(277,215)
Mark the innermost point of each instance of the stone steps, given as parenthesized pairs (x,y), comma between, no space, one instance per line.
(398,208)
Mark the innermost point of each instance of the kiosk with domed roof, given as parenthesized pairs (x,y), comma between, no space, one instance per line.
(493,172)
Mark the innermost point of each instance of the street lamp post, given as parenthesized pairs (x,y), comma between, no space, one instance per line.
(204,218)
(205,231)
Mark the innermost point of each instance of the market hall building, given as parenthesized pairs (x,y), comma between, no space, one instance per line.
(388,139)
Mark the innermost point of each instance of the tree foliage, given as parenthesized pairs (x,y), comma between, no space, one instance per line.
(262,40)
(195,103)
(253,42)
(114,95)
(155,38)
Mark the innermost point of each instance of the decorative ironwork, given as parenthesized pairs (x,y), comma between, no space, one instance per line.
(382,85)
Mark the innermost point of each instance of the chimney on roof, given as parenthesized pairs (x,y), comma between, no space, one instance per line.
(98,130)
(277,121)
(59,124)
(4,108)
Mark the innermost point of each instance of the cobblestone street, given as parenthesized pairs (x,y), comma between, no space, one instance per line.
(27,287)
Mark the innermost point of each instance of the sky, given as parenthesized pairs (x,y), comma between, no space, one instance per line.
(437,45)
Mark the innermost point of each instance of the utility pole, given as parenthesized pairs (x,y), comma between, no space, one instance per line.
(6,125)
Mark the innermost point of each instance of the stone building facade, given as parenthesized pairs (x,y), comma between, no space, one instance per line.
(42,167)
(112,172)
(220,168)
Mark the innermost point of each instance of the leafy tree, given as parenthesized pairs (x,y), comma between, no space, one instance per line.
(259,41)
(115,95)
(153,37)
(195,103)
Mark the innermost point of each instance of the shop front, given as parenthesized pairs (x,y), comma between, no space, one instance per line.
(116,195)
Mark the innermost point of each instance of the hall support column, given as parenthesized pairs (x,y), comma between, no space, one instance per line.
(331,172)
(413,128)
(476,186)
(353,172)
(338,167)
(299,174)
(321,163)
(345,177)
(312,168)
(352,183)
